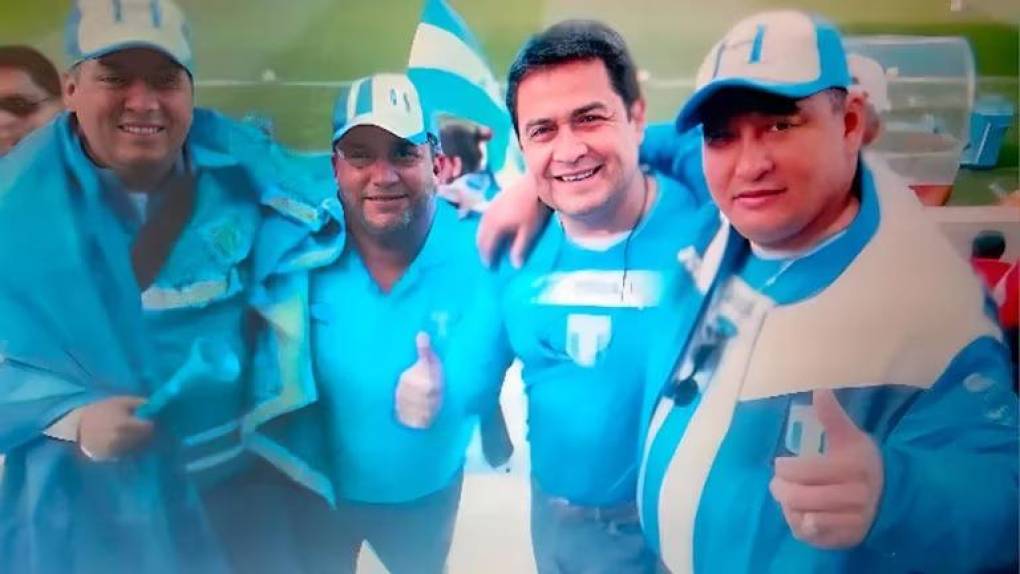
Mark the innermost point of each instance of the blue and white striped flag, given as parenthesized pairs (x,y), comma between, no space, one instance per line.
(452,76)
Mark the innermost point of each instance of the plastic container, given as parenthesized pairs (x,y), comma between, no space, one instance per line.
(989,121)
(924,106)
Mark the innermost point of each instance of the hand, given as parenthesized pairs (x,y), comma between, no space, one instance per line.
(830,500)
(516,214)
(467,200)
(109,429)
(497,448)
(420,387)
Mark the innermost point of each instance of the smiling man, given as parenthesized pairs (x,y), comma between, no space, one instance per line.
(136,106)
(126,326)
(406,345)
(598,279)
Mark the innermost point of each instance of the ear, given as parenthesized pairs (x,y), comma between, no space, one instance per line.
(334,160)
(440,168)
(69,87)
(855,121)
(637,116)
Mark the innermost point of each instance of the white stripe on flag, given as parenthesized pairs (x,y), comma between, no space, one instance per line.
(438,49)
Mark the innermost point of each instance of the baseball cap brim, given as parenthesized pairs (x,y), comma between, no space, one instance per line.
(690,113)
(128,45)
(381,121)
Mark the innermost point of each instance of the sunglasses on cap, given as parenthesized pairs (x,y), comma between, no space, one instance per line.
(20,105)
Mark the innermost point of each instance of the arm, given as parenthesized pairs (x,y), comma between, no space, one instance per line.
(677,156)
(34,401)
(515,215)
(951,470)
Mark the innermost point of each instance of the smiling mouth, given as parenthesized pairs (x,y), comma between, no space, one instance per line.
(385,198)
(141,130)
(578,176)
(758,194)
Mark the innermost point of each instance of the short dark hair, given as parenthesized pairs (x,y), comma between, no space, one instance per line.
(462,140)
(731,102)
(571,41)
(29,60)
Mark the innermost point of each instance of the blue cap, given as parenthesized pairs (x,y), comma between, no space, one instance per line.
(388,101)
(786,53)
(100,27)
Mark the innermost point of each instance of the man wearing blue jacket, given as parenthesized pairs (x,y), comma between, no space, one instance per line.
(814,411)
(131,227)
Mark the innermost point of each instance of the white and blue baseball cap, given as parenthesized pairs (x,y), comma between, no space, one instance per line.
(388,101)
(787,53)
(100,27)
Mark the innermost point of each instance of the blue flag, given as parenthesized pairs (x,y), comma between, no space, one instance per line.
(452,76)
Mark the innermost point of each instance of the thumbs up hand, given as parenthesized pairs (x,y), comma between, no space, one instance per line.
(830,500)
(420,387)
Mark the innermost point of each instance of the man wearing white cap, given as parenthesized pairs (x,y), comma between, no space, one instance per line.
(126,325)
(406,346)
(817,413)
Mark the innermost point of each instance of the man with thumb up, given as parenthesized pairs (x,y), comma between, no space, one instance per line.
(407,348)
(818,413)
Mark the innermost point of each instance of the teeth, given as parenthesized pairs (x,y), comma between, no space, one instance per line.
(141,130)
(577,176)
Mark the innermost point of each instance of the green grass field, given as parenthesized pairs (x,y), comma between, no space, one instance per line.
(310,45)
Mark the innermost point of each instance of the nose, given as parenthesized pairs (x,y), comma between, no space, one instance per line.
(140,97)
(755,159)
(383,173)
(568,147)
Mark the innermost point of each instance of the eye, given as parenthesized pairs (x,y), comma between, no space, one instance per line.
(589,120)
(407,155)
(356,157)
(115,80)
(715,137)
(166,81)
(405,152)
(540,132)
(782,125)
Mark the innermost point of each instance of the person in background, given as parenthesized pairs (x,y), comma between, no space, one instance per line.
(1002,280)
(464,178)
(29,93)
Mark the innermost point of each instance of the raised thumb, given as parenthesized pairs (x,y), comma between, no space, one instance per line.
(839,427)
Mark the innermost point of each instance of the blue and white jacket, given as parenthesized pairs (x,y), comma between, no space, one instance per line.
(888,316)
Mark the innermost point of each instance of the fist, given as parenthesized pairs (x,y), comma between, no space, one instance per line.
(109,429)
(420,387)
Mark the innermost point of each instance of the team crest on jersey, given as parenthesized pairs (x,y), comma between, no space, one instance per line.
(804,432)
(587,337)
(441,322)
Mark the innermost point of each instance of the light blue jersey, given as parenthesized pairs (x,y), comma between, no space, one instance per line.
(363,339)
(580,319)
(887,315)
